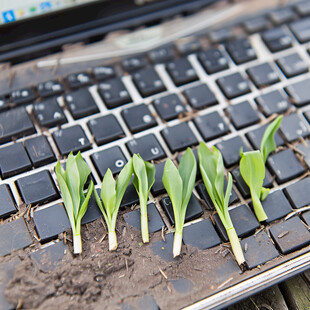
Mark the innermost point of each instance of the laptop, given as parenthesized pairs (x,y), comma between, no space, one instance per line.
(115,78)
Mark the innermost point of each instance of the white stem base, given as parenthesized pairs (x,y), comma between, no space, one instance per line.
(177,245)
(112,241)
(77,244)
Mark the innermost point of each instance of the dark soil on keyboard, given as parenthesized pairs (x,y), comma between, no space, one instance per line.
(99,279)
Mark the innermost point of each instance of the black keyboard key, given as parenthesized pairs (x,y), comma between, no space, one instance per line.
(179,137)
(307,116)
(273,102)
(23,95)
(3,103)
(181,71)
(38,188)
(230,150)
(14,236)
(158,186)
(161,54)
(282,16)
(7,202)
(76,80)
(114,93)
(255,137)
(81,103)
(293,127)
(147,146)
(233,85)
(301,30)
(105,129)
(277,39)
(134,63)
(303,8)
(193,210)
(276,206)
(211,126)
(200,96)
(298,193)
(138,118)
(285,166)
(15,123)
(242,114)
(71,139)
(46,226)
(13,160)
(256,24)
(213,60)
(243,220)
(112,158)
(130,197)
(292,65)
(148,82)
(103,72)
(39,151)
(50,88)
(263,75)
(49,113)
(187,45)
(221,35)
(305,153)
(169,107)
(241,51)
(299,92)
(290,235)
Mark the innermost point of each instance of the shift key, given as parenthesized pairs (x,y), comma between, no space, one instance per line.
(15,123)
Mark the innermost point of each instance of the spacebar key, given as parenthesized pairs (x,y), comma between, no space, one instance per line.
(15,123)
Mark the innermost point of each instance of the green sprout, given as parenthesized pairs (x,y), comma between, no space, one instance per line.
(71,182)
(144,178)
(252,168)
(212,172)
(111,196)
(179,184)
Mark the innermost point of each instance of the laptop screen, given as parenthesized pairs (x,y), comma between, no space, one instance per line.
(15,10)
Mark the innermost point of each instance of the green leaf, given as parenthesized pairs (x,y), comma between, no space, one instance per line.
(140,180)
(268,144)
(66,196)
(123,181)
(73,183)
(187,170)
(212,171)
(252,169)
(84,206)
(208,164)
(174,186)
(108,193)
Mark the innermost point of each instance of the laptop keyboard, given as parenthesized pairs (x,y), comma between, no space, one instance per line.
(158,104)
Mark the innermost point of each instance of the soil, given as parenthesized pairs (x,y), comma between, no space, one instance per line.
(99,279)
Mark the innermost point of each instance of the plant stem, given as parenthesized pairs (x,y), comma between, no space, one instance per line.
(235,245)
(112,241)
(144,222)
(177,244)
(258,209)
(77,244)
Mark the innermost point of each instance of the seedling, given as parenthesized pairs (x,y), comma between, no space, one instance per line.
(144,178)
(179,184)
(212,172)
(71,182)
(252,168)
(111,196)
